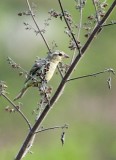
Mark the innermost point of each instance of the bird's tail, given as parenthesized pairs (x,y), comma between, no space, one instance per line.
(21,93)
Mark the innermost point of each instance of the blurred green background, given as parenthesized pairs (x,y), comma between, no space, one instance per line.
(87,105)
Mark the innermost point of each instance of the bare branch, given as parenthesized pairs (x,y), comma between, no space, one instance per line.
(39,31)
(79,28)
(52,128)
(80,21)
(60,72)
(76,43)
(18,110)
(92,75)
(17,66)
(109,24)
(97,15)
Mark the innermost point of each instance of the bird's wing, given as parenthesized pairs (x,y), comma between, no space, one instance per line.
(36,67)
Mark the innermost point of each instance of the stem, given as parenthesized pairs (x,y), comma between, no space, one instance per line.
(80,21)
(97,15)
(73,37)
(89,75)
(60,72)
(52,128)
(18,110)
(79,30)
(33,17)
(109,24)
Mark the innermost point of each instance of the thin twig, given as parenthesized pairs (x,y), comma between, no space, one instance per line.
(60,72)
(97,16)
(18,110)
(39,31)
(69,28)
(109,24)
(52,128)
(80,21)
(91,75)
(79,30)
(19,67)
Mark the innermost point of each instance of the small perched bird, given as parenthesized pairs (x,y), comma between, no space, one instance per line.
(42,71)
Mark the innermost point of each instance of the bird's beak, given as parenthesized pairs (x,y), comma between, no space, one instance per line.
(66,56)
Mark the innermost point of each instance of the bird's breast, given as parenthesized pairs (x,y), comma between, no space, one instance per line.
(51,70)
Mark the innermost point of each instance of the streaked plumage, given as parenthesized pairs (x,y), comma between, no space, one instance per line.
(42,71)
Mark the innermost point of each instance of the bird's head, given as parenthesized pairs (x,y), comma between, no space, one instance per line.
(57,56)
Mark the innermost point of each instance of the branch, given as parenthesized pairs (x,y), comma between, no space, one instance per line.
(60,72)
(98,27)
(110,70)
(80,21)
(97,15)
(52,128)
(73,37)
(62,84)
(17,109)
(39,31)
(109,24)
(79,29)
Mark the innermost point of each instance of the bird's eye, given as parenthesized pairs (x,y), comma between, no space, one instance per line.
(60,54)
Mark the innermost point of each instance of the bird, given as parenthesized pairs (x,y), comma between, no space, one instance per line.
(42,71)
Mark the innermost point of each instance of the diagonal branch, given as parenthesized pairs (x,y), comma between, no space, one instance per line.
(33,17)
(97,15)
(18,110)
(62,84)
(73,37)
(79,28)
